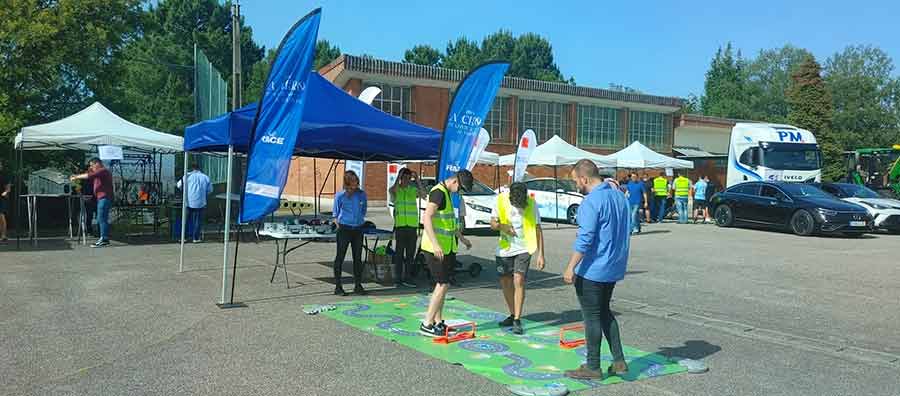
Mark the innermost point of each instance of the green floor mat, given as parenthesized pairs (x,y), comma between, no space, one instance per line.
(533,359)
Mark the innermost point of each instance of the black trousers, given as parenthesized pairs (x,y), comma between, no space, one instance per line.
(352,237)
(405,252)
(598,319)
(90,208)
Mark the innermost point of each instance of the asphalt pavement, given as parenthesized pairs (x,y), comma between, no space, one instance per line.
(770,313)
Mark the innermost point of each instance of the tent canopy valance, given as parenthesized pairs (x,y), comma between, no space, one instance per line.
(95,126)
(335,125)
(557,152)
(636,155)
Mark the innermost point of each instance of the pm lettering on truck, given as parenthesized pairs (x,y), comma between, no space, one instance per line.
(790,136)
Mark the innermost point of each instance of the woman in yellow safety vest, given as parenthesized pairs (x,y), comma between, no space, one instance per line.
(404,194)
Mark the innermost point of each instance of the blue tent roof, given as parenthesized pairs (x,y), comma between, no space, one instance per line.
(335,125)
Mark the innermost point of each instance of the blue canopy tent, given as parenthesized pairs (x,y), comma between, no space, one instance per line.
(335,125)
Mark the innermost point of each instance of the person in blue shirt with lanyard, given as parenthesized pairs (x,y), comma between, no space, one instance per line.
(599,260)
(350,208)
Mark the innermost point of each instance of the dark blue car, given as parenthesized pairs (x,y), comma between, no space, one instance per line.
(803,209)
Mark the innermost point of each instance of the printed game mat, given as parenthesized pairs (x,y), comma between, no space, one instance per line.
(535,359)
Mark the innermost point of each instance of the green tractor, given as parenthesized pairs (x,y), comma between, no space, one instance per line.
(876,168)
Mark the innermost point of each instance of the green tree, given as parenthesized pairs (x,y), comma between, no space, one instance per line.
(499,46)
(810,103)
(725,93)
(423,55)
(155,87)
(768,77)
(325,54)
(57,54)
(462,54)
(865,97)
(533,58)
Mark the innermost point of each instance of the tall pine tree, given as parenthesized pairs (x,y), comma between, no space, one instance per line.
(725,93)
(811,109)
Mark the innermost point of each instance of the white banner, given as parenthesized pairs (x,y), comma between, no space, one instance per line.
(369,94)
(108,153)
(526,146)
(358,167)
(481,143)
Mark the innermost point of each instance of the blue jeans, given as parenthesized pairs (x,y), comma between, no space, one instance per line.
(636,218)
(598,320)
(103,206)
(660,208)
(195,223)
(681,204)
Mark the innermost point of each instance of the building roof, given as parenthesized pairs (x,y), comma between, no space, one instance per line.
(693,152)
(409,70)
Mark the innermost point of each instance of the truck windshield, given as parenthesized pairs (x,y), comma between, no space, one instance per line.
(791,156)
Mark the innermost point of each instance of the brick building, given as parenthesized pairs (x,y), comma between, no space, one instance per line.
(598,120)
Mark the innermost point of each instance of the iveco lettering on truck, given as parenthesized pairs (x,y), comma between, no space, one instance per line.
(773,152)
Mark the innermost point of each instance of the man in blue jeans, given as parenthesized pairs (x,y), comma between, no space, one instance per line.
(196,187)
(599,260)
(101,179)
(637,196)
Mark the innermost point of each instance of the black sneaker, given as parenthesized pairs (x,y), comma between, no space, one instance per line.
(339,291)
(359,290)
(517,327)
(506,322)
(100,243)
(429,331)
(441,328)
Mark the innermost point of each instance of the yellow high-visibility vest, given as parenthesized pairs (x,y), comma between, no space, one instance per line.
(529,222)
(445,225)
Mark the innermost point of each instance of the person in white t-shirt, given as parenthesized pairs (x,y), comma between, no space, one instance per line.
(517,219)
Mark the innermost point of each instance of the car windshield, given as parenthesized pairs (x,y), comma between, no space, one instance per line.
(567,185)
(478,188)
(804,190)
(791,156)
(854,191)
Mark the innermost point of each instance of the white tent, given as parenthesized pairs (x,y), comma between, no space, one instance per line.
(486,158)
(636,155)
(556,152)
(95,126)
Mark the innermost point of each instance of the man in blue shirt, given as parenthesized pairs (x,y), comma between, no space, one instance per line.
(637,196)
(350,208)
(196,187)
(701,208)
(597,263)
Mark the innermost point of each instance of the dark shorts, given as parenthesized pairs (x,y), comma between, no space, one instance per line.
(3,206)
(518,263)
(700,204)
(440,269)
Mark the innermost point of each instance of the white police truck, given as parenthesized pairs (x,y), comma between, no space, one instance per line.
(773,152)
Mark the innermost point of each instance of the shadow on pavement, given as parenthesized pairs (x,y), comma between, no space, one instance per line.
(43,244)
(692,349)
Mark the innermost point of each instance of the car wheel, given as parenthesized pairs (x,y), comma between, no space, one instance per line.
(724,216)
(802,223)
(572,214)
(475,270)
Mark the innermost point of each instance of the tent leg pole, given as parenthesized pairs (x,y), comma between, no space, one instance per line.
(227,224)
(556,194)
(18,213)
(315,183)
(183,211)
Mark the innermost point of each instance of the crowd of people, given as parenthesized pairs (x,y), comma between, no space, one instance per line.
(651,199)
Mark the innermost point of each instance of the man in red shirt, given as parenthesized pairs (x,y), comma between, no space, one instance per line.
(101,179)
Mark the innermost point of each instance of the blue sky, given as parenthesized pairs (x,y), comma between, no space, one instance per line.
(661,48)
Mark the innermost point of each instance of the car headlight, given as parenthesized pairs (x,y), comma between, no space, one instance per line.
(479,208)
(876,205)
(827,212)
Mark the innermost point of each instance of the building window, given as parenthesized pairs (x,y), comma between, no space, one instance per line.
(545,118)
(393,100)
(648,128)
(598,126)
(497,121)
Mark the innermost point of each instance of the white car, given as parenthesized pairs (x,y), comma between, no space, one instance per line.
(885,211)
(479,204)
(556,199)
